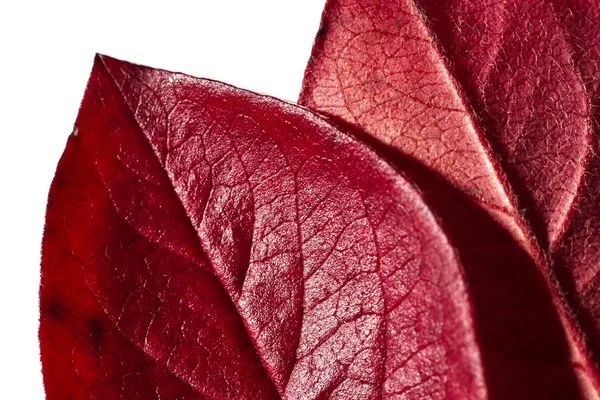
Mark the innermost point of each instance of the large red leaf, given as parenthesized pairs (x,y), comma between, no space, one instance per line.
(532,72)
(539,104)
(207,242)
(433,83)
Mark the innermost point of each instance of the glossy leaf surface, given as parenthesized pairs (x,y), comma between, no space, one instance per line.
(207,242)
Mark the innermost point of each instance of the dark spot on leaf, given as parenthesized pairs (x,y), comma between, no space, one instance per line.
(96,332)
(54,308)
(323,28)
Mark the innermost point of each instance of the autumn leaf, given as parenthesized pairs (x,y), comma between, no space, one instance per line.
(544,124)
(205,242)
(489,106)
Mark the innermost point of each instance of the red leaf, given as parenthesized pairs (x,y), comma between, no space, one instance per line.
(432,86)
(207,242)
(555,47)
(516,66)
(552,53)
(560,188)
(532,72)
(577,253)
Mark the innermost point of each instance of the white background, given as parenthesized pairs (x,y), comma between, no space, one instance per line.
(46,53)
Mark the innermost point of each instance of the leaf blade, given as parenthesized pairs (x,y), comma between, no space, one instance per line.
(303,274)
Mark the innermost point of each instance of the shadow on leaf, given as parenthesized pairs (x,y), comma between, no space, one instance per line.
(523,343)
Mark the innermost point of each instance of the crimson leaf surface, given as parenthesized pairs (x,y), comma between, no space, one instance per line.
(205,242)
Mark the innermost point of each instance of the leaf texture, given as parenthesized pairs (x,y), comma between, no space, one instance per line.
(516,65)
(532,72)
(376,66)
(204,242)
(494,100)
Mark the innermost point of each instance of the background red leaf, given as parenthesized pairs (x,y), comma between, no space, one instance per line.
(433,83)
(544,124)
(515,62)
(204,241)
